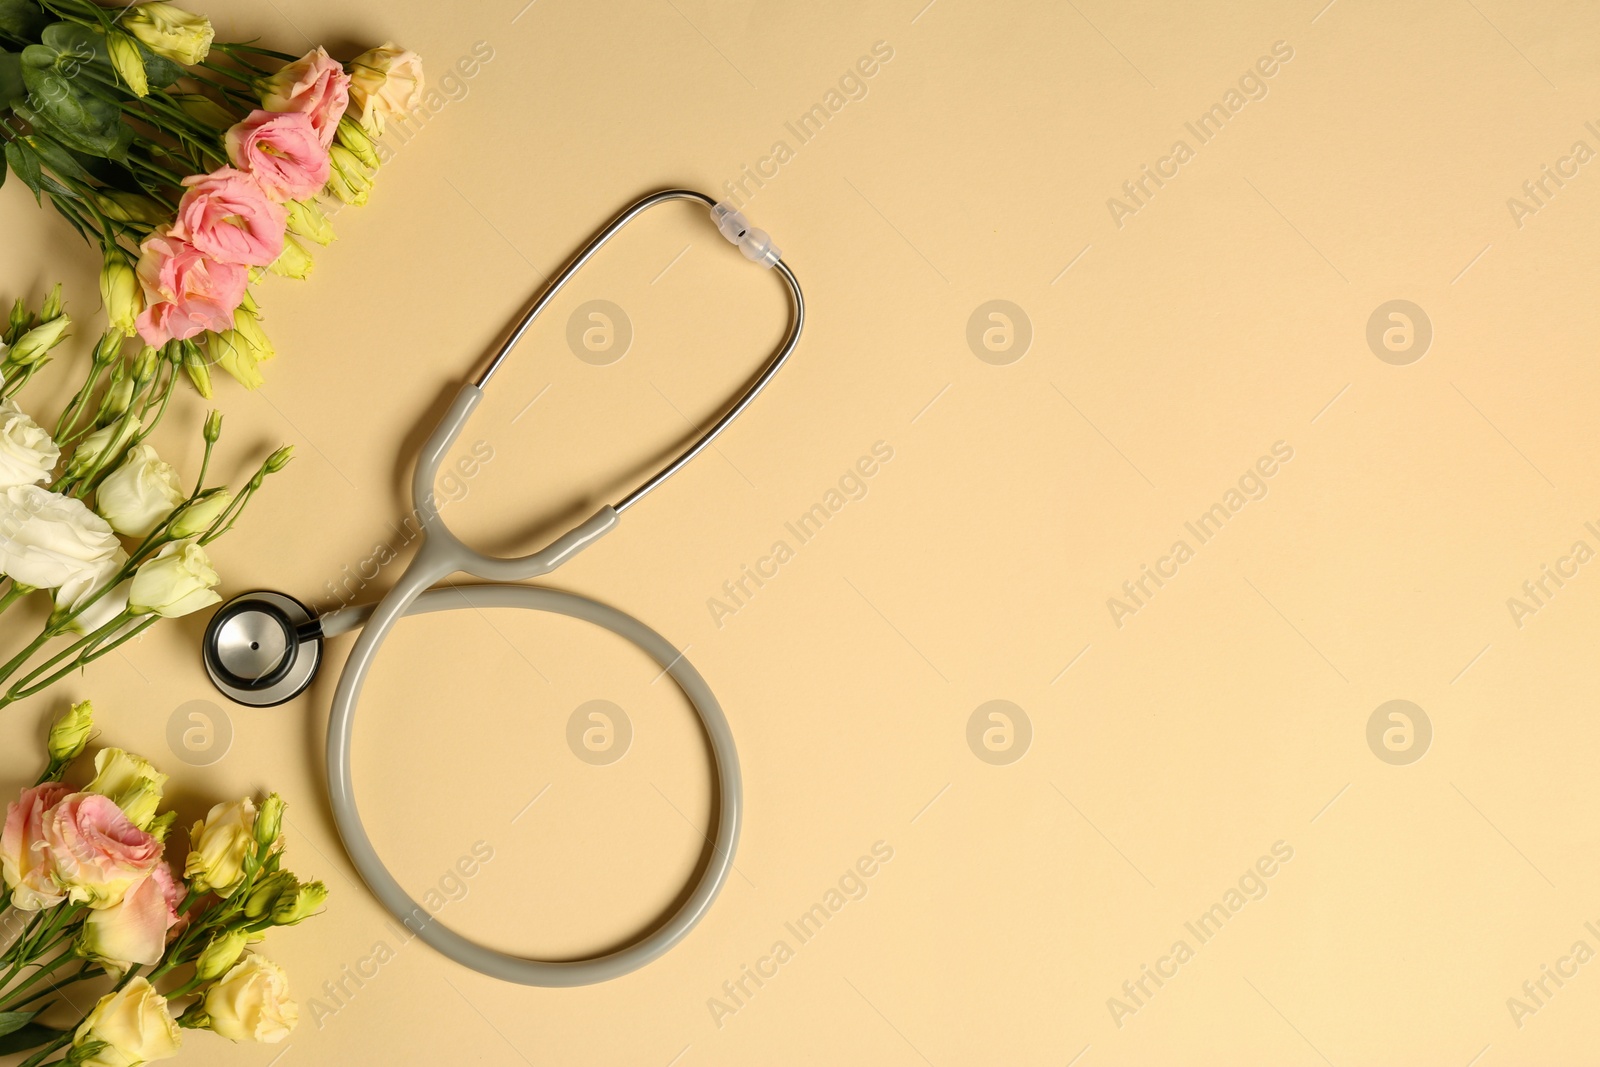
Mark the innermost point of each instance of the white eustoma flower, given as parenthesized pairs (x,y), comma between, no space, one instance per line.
(27,455)
(178,580)
(141,492)
(48,540)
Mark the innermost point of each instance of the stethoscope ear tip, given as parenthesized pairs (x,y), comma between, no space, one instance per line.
(262,648)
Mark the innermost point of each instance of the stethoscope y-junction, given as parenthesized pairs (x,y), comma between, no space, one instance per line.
(263,648)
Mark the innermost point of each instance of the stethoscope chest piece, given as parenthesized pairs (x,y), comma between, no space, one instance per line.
(262,648)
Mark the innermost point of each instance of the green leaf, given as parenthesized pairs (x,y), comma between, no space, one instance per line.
(12,90)
(14,1020)
(25,164)
(58,159)
(160,71)
(22,19)
(76,42)
(93,123)
(31,1035)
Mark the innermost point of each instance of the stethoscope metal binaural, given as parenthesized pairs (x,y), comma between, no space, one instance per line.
(263,648)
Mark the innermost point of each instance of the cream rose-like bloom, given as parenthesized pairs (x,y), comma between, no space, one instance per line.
(135,1025)
(178,580)
(134,931)
(47,539)
(218,846)
(251,1003)
(136,496)
(25,855)
(170,31)
(27,455)
(385,82)
(98,854)
(80,592)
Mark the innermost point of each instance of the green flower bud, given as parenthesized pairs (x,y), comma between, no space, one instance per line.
(220,955)
(264,894)
(20,320)
(213,426)
(171,32)
(31,346)
(352,136)
(194,365)
(306,219)
(300,905)
(70,733)
(52,305)
(121,292)
(109,350)
(196,517)
(145,365)
(349,180)
(119,206)
(202,107)
(269,820)
(279,459)
(295,262)
(161,825)
(129,64)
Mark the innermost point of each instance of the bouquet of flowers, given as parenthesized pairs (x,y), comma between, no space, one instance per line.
(90,512)
(195,165)
(92,900)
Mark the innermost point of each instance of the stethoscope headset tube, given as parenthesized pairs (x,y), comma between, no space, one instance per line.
(442,554)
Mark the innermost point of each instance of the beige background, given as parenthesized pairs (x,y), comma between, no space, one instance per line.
(1167,755)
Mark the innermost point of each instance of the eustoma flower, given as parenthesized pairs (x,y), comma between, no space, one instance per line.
(96,852)
(282,151)
(188,292)
(314,85)
(27,455)
(136,496)
(24,853)
(178,580)
(385,82)
(134,1026)
(251,1003)
(47,539)
(134,931)
(228,216)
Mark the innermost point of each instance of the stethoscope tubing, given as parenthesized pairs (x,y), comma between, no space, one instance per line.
(440,555)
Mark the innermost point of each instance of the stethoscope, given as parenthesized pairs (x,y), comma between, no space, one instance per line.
(264,648)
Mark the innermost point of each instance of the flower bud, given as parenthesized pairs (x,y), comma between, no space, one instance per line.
(264,895)
(145,365)
(129,64)
(202,108)
(197,516)
(117,398)
(269,820)
(101,448)
(119,206)
(355,139)
(31,346)
(279,459)
(300,905)
(233,353)
(194,365)
(295,262)
(213,427)
(70,733)
(171,32)
(349,181)
(19,321)
(109,350)
(220,955)
(52,305)
(307,220)
(161,825)
(121,293)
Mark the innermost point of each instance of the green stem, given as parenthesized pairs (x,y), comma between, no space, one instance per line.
(39,1057)
(83,660)
(14,594)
